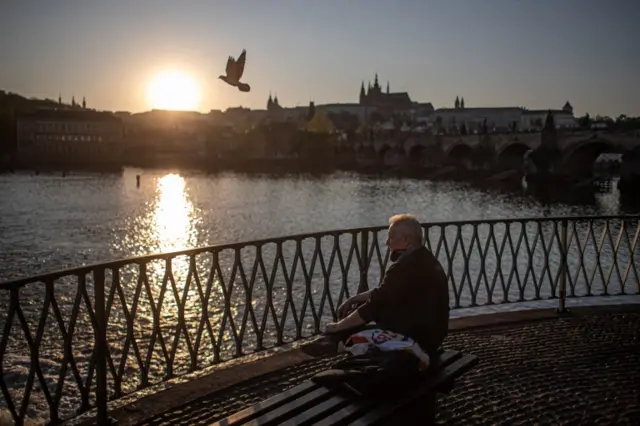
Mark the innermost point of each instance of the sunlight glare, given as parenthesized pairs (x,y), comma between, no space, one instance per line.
(173,90)
(174,214)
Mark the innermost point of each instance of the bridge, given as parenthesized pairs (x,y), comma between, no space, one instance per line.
(78,342)
(495,151)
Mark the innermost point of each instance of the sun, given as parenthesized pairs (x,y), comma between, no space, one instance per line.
(173,90)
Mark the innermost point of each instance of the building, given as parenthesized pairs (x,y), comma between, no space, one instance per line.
(500,118)
(389,103)
(534,119)
(69,135)
(374,97)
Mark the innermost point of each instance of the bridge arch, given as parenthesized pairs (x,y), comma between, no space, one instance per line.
(580,158)
(382,151)
(418,155)
(460,155)
(511,156)
(391,156)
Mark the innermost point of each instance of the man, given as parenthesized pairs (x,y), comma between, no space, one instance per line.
(413,299)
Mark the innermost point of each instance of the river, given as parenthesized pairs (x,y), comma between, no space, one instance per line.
(49,222)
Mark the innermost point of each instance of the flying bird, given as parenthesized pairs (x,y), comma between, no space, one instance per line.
(234,71)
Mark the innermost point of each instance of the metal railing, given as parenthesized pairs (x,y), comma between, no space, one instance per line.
(72,340)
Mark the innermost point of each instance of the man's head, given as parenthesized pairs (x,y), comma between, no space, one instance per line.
(405,233)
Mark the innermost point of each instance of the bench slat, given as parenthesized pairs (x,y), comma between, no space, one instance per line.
(449,373)
(358,407)
(310,403)
(284,412)
(266,405)
(319,411)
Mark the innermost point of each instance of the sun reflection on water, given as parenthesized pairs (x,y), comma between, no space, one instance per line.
(174,215)
(168,222)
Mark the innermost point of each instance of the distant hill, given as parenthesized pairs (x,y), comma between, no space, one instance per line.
(19,104)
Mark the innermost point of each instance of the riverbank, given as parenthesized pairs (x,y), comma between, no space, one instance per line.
(506,179)
(535,366)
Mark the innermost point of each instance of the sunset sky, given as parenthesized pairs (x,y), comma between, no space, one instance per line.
(533,53)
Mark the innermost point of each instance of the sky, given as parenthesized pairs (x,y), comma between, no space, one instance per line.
(532,53)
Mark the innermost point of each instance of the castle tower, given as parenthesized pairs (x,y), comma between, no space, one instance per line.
(275,101)
(456,104)
(84,103)
(462,102)
(269,103)
(376,85)
(568,108)
(387,87)
(363,95)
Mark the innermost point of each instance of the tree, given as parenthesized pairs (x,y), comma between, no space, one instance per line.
(439,123)
(585,121)
(7,133)
(312,111)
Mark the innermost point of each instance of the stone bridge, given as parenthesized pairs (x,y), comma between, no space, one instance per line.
(503,151)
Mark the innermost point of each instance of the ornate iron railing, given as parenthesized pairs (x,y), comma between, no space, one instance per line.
(73,340)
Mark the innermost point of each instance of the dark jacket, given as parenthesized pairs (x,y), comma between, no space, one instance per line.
(412,300)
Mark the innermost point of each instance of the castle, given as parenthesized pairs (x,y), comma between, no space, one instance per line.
(375,97)
(273,104)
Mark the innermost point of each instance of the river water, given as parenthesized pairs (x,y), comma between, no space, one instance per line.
(51,222)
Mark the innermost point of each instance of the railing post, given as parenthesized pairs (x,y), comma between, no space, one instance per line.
(364,265)
(564,265)
(101,348)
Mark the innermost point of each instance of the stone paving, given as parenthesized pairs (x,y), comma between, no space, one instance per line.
(571,370)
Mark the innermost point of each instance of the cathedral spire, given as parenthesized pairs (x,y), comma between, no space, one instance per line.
(84,103)
(269,102)
(387,87)
(462,102)
(376,85)
(73,101)
(59,99)
(456,104)
(362,92)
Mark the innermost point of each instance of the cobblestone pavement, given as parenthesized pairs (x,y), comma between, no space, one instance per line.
(570,371)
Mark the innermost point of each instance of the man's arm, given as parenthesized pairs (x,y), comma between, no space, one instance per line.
(385,295)
(352,321)
(361,297)
(368,312)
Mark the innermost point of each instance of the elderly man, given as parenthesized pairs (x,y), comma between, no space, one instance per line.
(413,298)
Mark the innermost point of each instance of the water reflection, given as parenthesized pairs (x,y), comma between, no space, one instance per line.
(174,215)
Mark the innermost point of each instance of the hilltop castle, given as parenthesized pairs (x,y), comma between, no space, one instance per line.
(375,97)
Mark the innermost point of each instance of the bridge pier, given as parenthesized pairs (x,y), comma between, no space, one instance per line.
(630,172)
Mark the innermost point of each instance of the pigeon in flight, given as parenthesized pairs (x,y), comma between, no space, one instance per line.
(234,72)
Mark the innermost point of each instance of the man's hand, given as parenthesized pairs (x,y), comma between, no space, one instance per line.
(343,310)
(332,327)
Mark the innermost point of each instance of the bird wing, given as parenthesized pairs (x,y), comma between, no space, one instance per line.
(240,64)
(231,68)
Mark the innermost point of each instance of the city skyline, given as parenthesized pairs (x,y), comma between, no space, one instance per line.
(495,53)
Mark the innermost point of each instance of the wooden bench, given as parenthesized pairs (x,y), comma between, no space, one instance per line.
(313,404)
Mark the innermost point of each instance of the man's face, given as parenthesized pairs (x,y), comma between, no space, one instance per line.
(396,241)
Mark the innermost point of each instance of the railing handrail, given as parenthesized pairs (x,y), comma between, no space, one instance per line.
(7,285)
